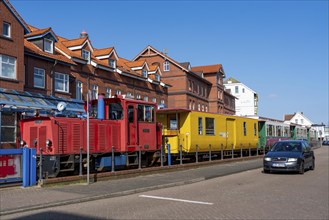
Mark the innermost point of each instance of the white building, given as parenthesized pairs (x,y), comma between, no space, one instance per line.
(246,102)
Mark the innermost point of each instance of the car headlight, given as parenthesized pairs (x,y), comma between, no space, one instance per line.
(267,158)
(292,159)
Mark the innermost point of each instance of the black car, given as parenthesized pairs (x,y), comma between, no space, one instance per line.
(289,155)
(325,143)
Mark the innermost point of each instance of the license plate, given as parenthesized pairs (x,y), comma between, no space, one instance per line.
(278,165)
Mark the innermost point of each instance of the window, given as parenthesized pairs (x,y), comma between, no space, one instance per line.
(154,100)
(302,121)
(245,128)
(173,124)
(8,127)
(61,82)
(94,92)
(206,108)
(190,105)
(7,67)
(79,90)
(190,85)
(86,55)
(255,129)
(157,77)
(131,114)
(296,121)
(112,63)
(278,130)
(199,108)
(166,66)
(108,93)
(48,45)
(242,90)
(162,102)
(193,105)
(145,113)
(129,95)
(6,29)
(200,126)
(146,99)
(210,126)
(202,108)
(236,89)
(39,78)
(144,73)
(118,92)
(138,97)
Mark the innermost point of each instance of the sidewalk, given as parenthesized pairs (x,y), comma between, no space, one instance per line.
(20,199)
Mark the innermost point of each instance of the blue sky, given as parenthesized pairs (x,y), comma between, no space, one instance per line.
(279,49)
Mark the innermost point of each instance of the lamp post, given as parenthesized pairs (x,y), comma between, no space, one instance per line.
(1,106)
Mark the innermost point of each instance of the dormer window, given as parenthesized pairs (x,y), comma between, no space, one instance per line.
(157,77)
(6,30)
(48,45)
(85,55)
(112,63)
(144,73)
(166,66)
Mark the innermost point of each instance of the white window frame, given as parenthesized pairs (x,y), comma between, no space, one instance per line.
(118,92)
(146,98)
(39,73)
(85,55)
(94,92)
(166,66)
(11,75)
(50,43)
(144,73)
(108,93)
(64,80)
(6,27)
(79,89)
(157,77)
(112,63)
(138,96)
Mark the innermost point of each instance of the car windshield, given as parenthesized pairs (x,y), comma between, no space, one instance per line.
(287,146)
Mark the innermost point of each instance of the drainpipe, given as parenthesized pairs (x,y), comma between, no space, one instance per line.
(52,73)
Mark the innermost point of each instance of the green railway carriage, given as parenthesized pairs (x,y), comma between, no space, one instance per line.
(201,131)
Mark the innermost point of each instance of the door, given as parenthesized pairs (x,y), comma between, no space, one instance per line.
(132,127)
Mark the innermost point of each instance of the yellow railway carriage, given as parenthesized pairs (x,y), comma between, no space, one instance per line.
(207,131)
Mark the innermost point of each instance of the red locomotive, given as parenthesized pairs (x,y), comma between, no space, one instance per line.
(126,124)
(7,166)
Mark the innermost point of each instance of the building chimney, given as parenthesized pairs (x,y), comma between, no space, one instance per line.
(83,34)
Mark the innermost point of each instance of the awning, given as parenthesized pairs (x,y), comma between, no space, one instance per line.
(29,101)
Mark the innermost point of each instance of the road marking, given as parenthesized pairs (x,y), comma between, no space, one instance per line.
(178,200)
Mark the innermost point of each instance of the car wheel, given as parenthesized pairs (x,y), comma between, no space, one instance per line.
(301,168)
(266,171)
(313,165)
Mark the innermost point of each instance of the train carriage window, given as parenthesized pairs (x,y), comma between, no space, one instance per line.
(145,113)
(131,114)
(245,128)
(173,124)
(200,126)
(210,126)
(115,111)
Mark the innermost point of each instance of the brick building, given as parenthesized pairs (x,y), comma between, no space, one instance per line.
(198,88)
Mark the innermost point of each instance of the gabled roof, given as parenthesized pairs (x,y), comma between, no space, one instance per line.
(39,33)
(288,117)
(208,69)
(163,55)
(77,44)
(18,17)
(103,51)
(35,50)
(179,65)
(137,64)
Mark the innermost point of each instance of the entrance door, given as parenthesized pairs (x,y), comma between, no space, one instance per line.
(132,126)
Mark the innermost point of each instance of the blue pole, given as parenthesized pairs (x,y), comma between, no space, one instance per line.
(26,167)
(100,107)
(169,155)
(33,166)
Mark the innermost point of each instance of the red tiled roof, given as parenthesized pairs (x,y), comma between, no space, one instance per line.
(30,47)
(132,64)
(38,32)
(288,117)
(207,69)
(104,51)
(74,42)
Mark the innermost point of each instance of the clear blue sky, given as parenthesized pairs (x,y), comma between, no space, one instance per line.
(279,49)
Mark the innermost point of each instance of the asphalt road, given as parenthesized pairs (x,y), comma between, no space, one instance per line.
(246,195)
